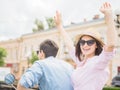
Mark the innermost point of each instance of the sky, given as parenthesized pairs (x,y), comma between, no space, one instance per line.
(17,17)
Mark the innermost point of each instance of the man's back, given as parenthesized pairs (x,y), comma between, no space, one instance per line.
(57,75)
(51,74)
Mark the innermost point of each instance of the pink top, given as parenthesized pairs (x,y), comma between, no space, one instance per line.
(93,74)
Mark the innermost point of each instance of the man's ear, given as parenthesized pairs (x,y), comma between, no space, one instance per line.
(41,54)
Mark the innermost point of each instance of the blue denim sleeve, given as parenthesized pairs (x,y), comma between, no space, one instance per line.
(32,76)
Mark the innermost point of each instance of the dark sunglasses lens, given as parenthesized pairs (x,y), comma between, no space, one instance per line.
(90,42)
(82,42)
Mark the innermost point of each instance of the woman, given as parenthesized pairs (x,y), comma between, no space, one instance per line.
(91,54)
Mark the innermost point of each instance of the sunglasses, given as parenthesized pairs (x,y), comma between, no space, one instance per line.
(89,42)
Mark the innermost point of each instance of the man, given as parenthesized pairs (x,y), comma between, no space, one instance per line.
(48,73)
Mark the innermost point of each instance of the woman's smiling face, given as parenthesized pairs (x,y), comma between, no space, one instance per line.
(88,46)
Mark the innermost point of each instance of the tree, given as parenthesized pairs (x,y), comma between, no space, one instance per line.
(40,26)
(34,57)
(3,54)
(50,22)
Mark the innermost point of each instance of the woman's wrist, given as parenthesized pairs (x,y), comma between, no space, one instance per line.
(59,26)
(109,18)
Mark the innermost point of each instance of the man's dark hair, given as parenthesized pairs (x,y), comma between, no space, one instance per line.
(49,47)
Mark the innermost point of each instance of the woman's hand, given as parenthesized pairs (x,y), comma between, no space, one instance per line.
(106,8)
(58,19)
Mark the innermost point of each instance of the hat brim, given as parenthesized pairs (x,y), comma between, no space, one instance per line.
(94,35)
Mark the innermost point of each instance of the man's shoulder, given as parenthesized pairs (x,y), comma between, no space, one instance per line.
(65,63)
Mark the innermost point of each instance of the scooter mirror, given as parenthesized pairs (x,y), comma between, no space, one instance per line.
(9,79)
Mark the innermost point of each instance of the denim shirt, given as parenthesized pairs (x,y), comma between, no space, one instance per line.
(48,74)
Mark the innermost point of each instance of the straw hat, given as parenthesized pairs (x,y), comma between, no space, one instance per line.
(91,32)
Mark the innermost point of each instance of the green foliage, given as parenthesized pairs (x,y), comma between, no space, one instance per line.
(2,63)
(50,22)
(3,54)
(34,57)
(40,26)
(111,88)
